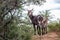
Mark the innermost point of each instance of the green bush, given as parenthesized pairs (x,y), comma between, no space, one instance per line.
(54,26)
(12,32)
(25,32)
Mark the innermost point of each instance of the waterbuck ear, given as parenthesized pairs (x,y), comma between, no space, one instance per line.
(30,12)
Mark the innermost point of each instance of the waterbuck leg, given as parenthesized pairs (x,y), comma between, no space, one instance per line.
(34,29)
(38,30)
(45,30)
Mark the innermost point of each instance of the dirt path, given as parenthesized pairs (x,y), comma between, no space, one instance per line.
(49,36)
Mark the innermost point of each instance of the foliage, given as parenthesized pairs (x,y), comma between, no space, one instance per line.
(12,32)
(46,14)
(10,17)
(36,2)
(54,26)
(7,13)
(19,32)
(26,32)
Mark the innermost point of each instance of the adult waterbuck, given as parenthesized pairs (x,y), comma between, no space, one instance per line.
(36,21)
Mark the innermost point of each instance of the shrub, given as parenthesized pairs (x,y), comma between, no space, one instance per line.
(54,26)
(25,32)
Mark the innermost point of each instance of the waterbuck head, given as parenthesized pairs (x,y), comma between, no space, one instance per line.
(30,12)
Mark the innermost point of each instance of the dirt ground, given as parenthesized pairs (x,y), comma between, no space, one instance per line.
(49,36)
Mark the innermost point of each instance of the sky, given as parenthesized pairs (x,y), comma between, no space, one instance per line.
(52,5)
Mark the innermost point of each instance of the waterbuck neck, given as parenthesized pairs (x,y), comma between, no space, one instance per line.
(31,17)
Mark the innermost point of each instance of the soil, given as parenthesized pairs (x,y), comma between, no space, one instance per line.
(48,36)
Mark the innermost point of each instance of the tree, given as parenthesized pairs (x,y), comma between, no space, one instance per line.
(7,13)
(10,11)
(35,2)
